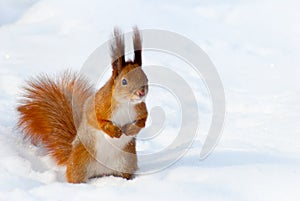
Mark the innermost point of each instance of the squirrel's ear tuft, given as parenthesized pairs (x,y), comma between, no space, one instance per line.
(137,44)
(117,52)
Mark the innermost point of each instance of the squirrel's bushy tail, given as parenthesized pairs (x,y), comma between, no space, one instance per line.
(46,112)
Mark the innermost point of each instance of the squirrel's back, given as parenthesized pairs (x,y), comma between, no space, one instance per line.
(46,112)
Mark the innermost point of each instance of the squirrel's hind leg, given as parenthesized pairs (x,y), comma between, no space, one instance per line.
(77,164)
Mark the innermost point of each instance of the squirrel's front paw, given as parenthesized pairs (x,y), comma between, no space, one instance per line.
(131,129)
(118,132)
(111,129)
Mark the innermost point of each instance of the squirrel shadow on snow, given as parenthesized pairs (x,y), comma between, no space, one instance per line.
(108,119)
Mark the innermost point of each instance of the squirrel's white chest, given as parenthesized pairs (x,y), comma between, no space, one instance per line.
(110,157)
(123,114)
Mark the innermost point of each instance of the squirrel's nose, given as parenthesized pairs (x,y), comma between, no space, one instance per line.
(141,92)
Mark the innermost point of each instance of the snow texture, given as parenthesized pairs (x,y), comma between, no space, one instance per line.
(255,47)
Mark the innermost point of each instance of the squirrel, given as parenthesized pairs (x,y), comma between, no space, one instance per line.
(91,133)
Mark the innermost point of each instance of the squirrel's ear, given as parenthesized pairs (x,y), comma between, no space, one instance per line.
(137,44)
(117,52)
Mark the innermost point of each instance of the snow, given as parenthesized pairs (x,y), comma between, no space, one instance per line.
(255,47)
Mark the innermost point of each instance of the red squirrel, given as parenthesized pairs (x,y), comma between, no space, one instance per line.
(109,119)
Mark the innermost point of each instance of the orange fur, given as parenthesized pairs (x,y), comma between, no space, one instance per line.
(46,113)
(54,112)
(77,170)
(130,148)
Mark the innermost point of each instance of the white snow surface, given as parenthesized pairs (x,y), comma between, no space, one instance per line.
(255,46)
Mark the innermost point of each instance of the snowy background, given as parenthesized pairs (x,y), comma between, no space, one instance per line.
(255,46)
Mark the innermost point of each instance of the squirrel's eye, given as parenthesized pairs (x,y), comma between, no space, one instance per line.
(124,82)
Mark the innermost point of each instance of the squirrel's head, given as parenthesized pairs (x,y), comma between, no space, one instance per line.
(130,81)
